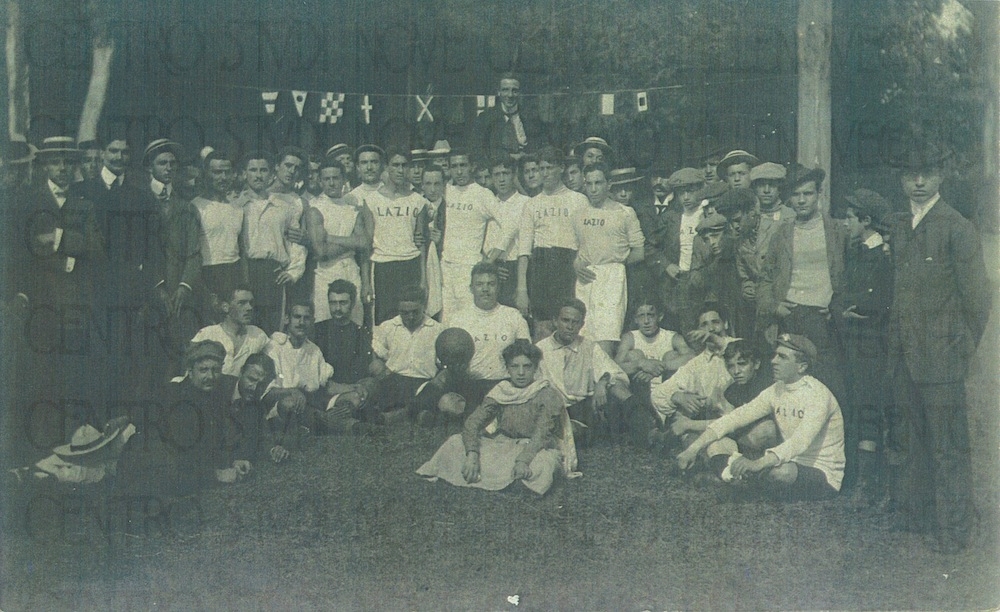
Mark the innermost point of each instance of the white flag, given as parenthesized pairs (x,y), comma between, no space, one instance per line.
(642,101)
(300,100)
(607,104)
(269,97)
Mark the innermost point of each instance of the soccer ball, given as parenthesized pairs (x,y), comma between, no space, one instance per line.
(454,348)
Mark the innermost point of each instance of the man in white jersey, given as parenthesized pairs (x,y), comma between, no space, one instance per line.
(370,161)
(493,328)
(221,224)
(271,225)
(502,171)
(468,210)
(547,246)
(397,260)
(339,229)
(235,333)
(609,236)
(809,461)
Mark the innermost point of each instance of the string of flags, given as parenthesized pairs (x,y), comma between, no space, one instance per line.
(328,107)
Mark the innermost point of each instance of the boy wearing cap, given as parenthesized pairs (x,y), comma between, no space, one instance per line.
(735,167)
(547,247)
(939,312)
(343,154)
(809,461)
(609,237)
(867,298)
(713,264)
(674,234)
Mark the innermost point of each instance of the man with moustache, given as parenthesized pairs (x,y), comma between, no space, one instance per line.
(504,128)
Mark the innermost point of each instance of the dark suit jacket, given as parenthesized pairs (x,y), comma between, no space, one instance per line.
(942,295)
(491,134)
(174,254)
(45,278)
(347,348)
(776,275)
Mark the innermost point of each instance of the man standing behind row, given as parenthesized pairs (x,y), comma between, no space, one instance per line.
(271,224)
(503,129)
(468,210)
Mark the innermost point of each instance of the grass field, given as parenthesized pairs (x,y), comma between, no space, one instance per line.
(347,525)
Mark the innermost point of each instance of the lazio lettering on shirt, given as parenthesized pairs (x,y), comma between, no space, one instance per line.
(382,210)
(552,211)
(593,222)
(491,338)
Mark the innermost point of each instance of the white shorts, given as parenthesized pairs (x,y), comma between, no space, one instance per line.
(606,298)
(455,293)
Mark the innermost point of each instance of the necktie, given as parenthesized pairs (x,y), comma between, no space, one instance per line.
(164,195)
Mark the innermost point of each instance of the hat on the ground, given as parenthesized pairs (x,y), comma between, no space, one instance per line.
(686,177)
(200,351)
(799,174)
(714,221)
(369,148)
(161,145)
(86,439)
(623,176)
(866,202)
(799,344)
(768,171)
(737,156)
(57,145)
(339,149)
(592,142)
(16,152)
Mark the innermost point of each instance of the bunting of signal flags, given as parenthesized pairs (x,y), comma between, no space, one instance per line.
(331,107)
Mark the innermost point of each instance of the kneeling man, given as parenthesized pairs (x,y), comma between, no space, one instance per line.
(809,462)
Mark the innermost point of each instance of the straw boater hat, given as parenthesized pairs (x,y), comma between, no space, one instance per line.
(623,176)
(737,156)
(339,149)
(58,145)
(592,142)
(161,145)
(418,155)
(86,440)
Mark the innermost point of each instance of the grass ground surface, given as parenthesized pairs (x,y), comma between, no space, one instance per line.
(348,525)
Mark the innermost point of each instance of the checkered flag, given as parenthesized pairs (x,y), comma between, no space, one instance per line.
(329,108)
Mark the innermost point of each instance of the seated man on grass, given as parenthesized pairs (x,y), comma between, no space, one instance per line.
(697,389)
(809,461)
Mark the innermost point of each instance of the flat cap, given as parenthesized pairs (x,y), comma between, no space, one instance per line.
(200,351)
(768,171)
(866,202)
(714,221)
(686,177)
(799,344)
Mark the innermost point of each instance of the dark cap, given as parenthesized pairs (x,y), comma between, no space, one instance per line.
(686,177)
(918,156)
(768,171)
(713,191)
(799,344)
(866,202)
(714,221)
(200,351)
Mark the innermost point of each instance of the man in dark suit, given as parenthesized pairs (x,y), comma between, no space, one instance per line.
(941,304)
(504,128)
(62,252)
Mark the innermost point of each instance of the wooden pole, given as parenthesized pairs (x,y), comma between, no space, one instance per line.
(814,30)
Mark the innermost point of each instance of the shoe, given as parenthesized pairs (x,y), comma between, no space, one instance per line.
(727,473)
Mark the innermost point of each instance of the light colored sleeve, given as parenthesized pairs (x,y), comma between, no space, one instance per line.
(819,404)
(522,328)
(526,229)
(750,412)
(603,364)
(502,215)
(380,342)
(296,252)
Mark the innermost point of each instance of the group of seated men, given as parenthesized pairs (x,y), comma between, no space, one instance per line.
(274,272)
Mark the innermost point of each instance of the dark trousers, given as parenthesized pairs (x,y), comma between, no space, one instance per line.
(507,290)
(936,486)
(808,321)
(262,276)
(390,278)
